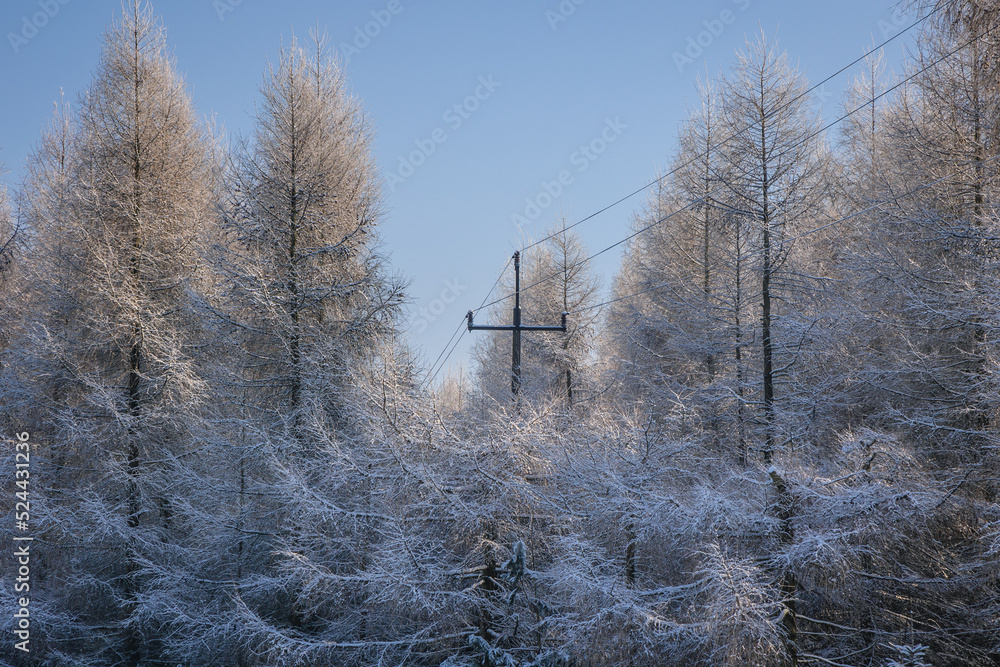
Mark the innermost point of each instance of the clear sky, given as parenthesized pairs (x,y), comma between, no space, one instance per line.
(476,105)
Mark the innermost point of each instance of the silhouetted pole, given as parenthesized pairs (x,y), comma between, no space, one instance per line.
(516,328)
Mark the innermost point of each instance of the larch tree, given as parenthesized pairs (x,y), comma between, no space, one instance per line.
(9,241)
(305,299)
(922,264)
(918,251)
(696,186)
(562,282)
(774,158)
(946,141)
(844,352)
(866,249)
(8,232)
(747,176)
(46,193)
(957,63)
(302,270)
(863,132)
(679,333)
(117,208)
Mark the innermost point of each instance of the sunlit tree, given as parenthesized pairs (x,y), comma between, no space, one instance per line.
(116,204)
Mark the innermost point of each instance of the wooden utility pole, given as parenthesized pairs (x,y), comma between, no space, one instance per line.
(516,328)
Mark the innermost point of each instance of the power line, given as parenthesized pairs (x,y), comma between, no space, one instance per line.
(461,324)
(658,179)
(603,250)
(797,237)
(677,168)
(445,349)
(697,201)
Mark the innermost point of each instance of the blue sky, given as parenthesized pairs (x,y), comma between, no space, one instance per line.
(478,107)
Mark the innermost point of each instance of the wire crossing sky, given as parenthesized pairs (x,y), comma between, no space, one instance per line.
(491,121)
(825,128)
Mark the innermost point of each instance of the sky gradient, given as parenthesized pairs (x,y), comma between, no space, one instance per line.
(491,119)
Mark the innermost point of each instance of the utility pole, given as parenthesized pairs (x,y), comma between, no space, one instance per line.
(516,328)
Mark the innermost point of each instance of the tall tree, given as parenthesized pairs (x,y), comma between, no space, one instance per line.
(9,241)
(863,133)
(305,296)
(775,158)
(562,282)
(675,251)
(918,261)
(680,333)
(748,175)
(303,272)
(698,177)
(117,209)
(959,68)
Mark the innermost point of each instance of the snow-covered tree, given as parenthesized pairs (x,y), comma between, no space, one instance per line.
(749,175)
(232,463)
(680,340)
(305,287)
(9,242)
(555,278)
(775,169)
(560,280)
(116,206)
(312,372)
